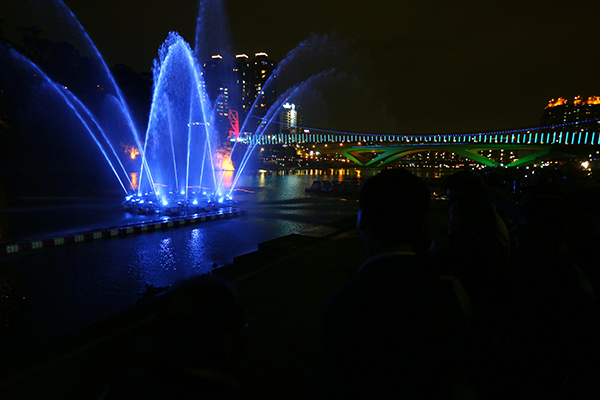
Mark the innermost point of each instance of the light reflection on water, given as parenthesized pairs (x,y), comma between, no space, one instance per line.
(196,248)
(51,291)
(167,259)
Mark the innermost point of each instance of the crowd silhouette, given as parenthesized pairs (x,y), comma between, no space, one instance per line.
(525,270)
(528,263)
(499,305)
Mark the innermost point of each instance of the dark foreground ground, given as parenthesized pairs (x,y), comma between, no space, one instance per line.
(284,286)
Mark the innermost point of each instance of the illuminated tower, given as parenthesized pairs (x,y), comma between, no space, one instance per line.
(289,117)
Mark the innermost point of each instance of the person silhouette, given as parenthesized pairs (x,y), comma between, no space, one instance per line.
(394,330)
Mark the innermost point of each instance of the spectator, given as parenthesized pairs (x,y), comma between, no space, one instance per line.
(474,249)
(551,344)
(393,331)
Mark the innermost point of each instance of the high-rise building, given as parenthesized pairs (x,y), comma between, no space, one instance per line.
(290,122)
(260,89)
(289,118)
(220,77)
(239,85)
(261,70)
(242,72)
(579,113)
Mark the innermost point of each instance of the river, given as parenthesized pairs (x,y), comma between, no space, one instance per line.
(48,292)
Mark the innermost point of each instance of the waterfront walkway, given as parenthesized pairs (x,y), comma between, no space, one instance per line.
(284,286)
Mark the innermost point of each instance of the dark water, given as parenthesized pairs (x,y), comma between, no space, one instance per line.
(47,292)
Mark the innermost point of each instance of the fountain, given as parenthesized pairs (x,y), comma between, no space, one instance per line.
(180,163)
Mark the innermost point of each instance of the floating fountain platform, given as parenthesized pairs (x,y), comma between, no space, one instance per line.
(176,204)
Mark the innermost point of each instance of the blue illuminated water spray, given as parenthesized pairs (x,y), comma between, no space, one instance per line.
(179,147)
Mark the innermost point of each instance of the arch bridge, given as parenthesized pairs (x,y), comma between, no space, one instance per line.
(374,150)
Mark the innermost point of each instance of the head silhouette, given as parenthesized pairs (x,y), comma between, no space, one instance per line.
(393,207)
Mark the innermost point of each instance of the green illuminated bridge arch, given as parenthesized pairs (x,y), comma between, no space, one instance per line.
(374,150)
(389,153)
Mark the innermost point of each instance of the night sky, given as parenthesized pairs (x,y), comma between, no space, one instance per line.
(437,66)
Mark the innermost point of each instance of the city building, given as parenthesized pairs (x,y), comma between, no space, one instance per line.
(220,78)
(581,113)
(290,123)
(289,118)
(239,85)
(242,73)
(260,96)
